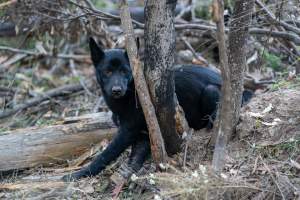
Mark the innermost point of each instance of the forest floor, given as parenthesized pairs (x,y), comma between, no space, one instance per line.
(263,157)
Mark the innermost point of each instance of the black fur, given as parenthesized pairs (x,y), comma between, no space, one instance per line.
(197,89)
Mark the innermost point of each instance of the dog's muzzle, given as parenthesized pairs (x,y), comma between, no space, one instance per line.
(116,91)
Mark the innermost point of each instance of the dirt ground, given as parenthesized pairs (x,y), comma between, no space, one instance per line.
(262,163)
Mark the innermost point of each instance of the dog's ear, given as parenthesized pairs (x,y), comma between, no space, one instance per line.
(97,54)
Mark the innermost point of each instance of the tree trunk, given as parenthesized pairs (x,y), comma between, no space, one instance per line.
(156,140)
(160,49)
(238,35)
(43,146)
(233,76)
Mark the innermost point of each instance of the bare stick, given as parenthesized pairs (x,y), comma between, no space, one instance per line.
(281,26)
(156,140)
(7,3)
(224,121)
(189,46)
(276,34)
(254,31)
(272,17)
(92,9)
(60,91)
(232,87)
(273,178)
(74,72)
(32,53)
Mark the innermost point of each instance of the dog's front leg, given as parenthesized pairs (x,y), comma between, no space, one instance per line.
(121,141)
(139,152)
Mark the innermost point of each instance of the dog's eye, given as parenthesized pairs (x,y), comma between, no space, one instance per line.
(108,73)
(123,72)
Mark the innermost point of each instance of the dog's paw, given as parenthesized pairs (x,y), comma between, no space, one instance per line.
(76,175)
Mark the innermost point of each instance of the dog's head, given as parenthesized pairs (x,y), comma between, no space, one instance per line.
(112,70)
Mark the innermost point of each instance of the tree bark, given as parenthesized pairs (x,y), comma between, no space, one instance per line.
(160,49)
(43,146)
(156,140)
(233,76)
(238,34)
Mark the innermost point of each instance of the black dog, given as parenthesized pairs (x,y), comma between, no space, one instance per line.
(197,89)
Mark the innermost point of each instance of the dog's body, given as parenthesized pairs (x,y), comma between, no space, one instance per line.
(197,89)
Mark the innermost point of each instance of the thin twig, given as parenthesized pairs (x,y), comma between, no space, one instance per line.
(74,72)
(60,91)
(187,143)
(189,46)
(273,178)
(32,53)
(254,31)
(93,10)
(282,25)
(272,17)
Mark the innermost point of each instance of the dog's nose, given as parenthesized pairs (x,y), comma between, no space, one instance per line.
(116,90)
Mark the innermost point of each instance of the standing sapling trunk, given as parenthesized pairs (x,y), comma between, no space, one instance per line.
(160,49)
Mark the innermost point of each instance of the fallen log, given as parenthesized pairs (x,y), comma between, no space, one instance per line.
(45,146)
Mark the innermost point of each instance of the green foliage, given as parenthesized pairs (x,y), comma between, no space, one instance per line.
(283,83)
(202,9)
(15,42)
(290,148)
(45,122)
(100,3)
(2,130)
(280,84)
(272,61)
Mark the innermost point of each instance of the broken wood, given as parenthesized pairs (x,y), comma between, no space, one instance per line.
(44,146)
(32,185)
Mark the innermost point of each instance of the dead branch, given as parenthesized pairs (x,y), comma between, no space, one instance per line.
(254,31)
(156,140)
(92,10)
(189,46)
(60,91)
(32,185)
(11,61)
(36,146)
(273,178)
(272,17)
(38,54)
(276,34)
(2,5)
(282,26)
(224,128)
(75,73)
